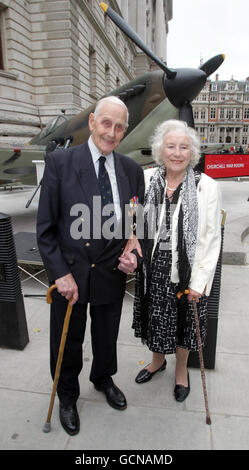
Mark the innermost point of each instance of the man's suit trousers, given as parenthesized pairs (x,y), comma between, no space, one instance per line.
(105,321)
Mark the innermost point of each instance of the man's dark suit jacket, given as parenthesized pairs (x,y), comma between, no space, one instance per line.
(69,179)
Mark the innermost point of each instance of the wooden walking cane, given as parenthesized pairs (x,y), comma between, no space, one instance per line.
(198,334)
(47,425)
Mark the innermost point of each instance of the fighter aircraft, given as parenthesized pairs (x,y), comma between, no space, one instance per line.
(151,98)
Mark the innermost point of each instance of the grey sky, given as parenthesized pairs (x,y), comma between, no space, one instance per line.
(205,28)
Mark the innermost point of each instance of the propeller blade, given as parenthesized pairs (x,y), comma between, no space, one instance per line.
(212,64)
(186,114)
(135,38)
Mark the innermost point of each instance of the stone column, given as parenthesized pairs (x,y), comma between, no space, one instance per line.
(141,19)
(132,14)
(125,9)
(160,31)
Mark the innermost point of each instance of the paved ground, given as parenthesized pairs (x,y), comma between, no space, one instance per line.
(153,419)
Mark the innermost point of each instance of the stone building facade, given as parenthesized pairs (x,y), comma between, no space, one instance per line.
(58,54)
(221,112)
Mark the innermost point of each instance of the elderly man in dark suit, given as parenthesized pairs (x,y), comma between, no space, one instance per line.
(80,247)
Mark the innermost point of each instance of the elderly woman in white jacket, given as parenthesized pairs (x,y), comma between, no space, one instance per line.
(182,236)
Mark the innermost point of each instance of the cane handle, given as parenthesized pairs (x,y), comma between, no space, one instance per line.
(49,293)
(179,294)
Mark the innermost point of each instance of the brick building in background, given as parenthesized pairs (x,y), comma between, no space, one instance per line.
(221,112)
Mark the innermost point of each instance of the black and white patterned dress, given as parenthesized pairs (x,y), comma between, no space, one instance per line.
(158,318)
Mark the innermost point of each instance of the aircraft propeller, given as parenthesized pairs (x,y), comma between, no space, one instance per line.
(181,85)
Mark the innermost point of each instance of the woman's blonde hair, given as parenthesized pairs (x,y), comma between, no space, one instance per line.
(181,127)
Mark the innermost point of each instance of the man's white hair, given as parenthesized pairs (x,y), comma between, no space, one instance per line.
(111,99)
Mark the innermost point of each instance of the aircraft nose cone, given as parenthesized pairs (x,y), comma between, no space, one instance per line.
(185,86)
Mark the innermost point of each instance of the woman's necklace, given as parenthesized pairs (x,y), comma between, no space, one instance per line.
(170,189)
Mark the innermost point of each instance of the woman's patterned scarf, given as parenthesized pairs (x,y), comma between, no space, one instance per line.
(187,222)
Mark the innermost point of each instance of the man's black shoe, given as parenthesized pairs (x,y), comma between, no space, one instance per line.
(69,419)
(113,394)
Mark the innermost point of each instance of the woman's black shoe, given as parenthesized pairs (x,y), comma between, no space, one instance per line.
(182,392)
(145,375)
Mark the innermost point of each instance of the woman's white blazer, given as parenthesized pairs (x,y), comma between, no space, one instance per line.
(208,235)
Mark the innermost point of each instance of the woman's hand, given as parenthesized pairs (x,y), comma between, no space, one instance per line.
(193,295)
(132,244)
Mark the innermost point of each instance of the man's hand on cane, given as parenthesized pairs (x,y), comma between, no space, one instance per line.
(67,287)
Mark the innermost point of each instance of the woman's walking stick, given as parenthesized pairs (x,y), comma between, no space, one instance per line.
(198,334)
(47,425)
(203,378)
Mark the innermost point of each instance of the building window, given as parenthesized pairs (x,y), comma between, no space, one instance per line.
(213,98)
(211,128)
(125,56)
(246,113)
(237,113)
(244,140)
(222,135)
(214,87)
(2,39)
(107,79)
(196,114)
(222,113)
(1,53)
(92,72)
(245,129)
(118,42)
(213,113)
(229,113)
